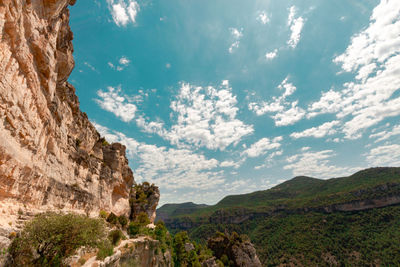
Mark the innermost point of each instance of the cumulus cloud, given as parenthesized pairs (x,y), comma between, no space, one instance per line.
(296,26)
(262,146)
(263,17)
(169,168)
(317,132)
(236,34)
(316,164)
(384,135)
(202,117)
(373,56)
(286,112)
(386,155)
(231,163)
(114,101)
(269,161)
(271,55)
(123,11)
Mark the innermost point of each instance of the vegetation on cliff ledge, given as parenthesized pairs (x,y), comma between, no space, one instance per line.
(50,238)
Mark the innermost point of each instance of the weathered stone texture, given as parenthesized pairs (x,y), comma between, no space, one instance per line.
(51,156)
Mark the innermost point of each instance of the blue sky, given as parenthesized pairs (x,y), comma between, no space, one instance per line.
(224,97)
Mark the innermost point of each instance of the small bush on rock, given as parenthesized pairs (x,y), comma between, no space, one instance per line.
(105,249)
(112,218)
(123,221)
(115,236)
(103,214)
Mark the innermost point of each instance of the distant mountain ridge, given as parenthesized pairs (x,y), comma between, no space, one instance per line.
(299,192)
(285,222)
(168,210)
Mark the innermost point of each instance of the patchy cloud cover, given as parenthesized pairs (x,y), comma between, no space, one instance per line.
(215,99)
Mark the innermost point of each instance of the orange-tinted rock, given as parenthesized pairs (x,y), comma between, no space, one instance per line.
(51,156)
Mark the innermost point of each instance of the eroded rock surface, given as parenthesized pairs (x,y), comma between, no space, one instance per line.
(142,251)
(241,253)
(144,198)
(51,156)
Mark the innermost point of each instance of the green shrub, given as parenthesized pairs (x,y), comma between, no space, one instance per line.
(133,229)
(54,237)
(123,221)
(143,219)
(105,249)
(115,236)
(103,214)
(220,263)
(112,218)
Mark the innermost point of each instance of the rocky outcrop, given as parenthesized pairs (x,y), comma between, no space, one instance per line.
(51,156)
(141,252)
(239,252)
(144,199)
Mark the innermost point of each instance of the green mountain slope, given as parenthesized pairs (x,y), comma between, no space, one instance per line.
(305,221)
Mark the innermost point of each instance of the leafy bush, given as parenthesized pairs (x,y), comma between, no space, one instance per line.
(123,221)
(143,219)
(133,229)
(115,236)
(105,249)
(103,214)
(54,237)
(112,218)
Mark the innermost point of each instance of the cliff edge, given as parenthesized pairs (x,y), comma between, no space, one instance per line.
(51,156)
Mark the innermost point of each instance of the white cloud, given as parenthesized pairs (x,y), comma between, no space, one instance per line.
(271,55)
(317,132)
(124,61)
(236,36)
(286,113)
(289,116)
(123,11)
(114,101)
(373,56)
(233,46)
(384,135)
(236,33)
(316,164)
(90,66)
(167,167)
(231,163)
(386,155)
(269,160)
(151,127)
(263,17)
(205,117)
(262,146)
(296,26)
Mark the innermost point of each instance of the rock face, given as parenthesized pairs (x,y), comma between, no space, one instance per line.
(144,198)
(141,252)
(239,252)
(51,156)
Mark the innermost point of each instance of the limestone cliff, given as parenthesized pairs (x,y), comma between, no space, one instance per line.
(142,251)
(51,156)
(239,252)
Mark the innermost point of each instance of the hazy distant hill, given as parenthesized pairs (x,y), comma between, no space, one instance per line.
(307,220)
(171,210)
